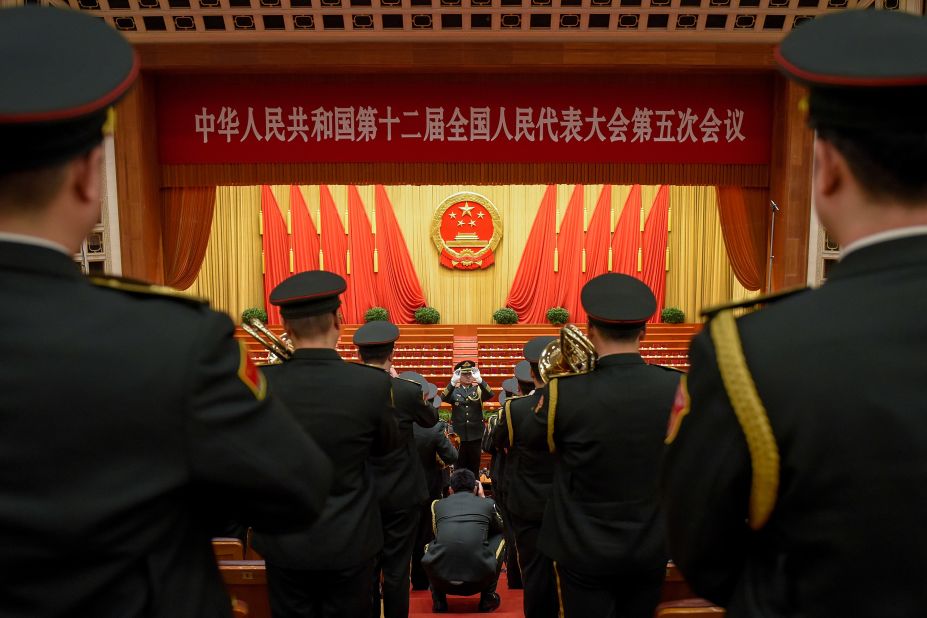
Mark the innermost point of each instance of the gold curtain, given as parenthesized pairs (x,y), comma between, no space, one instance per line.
(699,273)
(231,273)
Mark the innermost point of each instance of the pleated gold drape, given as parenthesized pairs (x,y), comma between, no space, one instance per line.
(231,273)
(699,273)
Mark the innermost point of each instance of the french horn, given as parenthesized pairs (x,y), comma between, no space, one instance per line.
(280,348)
(571,354)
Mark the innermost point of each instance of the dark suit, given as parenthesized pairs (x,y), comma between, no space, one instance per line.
(402,492)
(327,569)
(498,465)
(431,443)
(126,439)
(602,525)
(528,479)
(841,373)
(467,420)
(466,556)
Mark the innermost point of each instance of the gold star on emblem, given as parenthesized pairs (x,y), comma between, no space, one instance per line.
(453,216)
(472,223)
(460,224)
(465,210)
(481,214)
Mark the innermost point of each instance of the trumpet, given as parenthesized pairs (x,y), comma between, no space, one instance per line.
(281,348)
(572,354)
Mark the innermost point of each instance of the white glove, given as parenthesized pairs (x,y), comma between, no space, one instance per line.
(455,379)
(476,376)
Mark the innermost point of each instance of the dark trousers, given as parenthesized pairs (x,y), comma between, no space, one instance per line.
(608,595)
(485,587)
(468,456)
(297,593)
(513,574)
(424,535)
(537,570)
(400,529)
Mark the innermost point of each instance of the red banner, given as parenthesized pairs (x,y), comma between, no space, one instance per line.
(465,118)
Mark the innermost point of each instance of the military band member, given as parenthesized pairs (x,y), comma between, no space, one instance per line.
(398,477)
(528,478)
(327,569)
(796,477)
(132,424)
(466,393)
(602,526)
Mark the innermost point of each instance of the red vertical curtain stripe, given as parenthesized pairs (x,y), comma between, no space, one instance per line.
(744,215)
(656,233)
(305,239)
(596,243)
(398,287)
(333,241)
(570,255)
(532,288)
(627,239)
(276,249)
(361,283)
(186,219)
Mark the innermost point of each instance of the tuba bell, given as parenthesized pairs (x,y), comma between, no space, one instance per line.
(280,348)
(572,354)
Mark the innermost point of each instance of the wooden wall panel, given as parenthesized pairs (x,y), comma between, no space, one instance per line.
(137,178)
(790,185)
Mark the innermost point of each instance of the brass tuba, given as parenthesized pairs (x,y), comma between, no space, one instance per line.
(572,354)
(280,348)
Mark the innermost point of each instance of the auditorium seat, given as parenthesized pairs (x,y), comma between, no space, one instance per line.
(689,608)
(227,548)
(239,609)
(246,581)
(675,587)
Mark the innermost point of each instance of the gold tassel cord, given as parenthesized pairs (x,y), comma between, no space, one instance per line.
(261,222)
(640,259)
(609,259)
(642,219)
(376,262)
(584,259)
(321,260)
(556,259)
(347,262)
(347,221)
(291,260)
(667,259)
(289,222)
(263,264)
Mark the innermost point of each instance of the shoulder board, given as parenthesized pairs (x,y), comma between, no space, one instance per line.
(366,366)
(570,375)
(133,286)
(416,384)
(516,398)
(752,302)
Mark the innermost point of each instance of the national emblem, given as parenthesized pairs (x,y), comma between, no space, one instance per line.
(466,229)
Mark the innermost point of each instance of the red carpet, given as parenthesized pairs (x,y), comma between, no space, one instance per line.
(420,604)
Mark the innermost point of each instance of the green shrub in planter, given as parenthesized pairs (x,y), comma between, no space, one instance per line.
(253,312)
(427,315)
(506,315)
(673,315)
(376,313)
(558,316)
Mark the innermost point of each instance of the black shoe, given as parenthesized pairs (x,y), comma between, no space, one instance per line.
(439,606)
(489,602)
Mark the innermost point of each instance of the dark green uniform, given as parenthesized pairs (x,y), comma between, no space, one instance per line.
(132,426)
(602,526)
(528,478)
(346,407)
(467,420)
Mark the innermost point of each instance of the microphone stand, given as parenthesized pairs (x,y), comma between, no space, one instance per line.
(774,208)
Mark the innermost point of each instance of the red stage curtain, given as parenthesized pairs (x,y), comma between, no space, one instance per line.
(532,289)
(398,287)
(570,255)
(186,215)
(627,239)
(596,242)
(654,246)
(361,283)
(276,249)
(305,238)
(744,217)
(334,244)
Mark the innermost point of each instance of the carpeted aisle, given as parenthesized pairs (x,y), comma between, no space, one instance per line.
(420,604)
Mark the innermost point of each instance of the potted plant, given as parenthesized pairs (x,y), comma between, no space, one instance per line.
(558,316)
(505,315)
(376,313)
(672,315)
(427,315)
(253,312)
